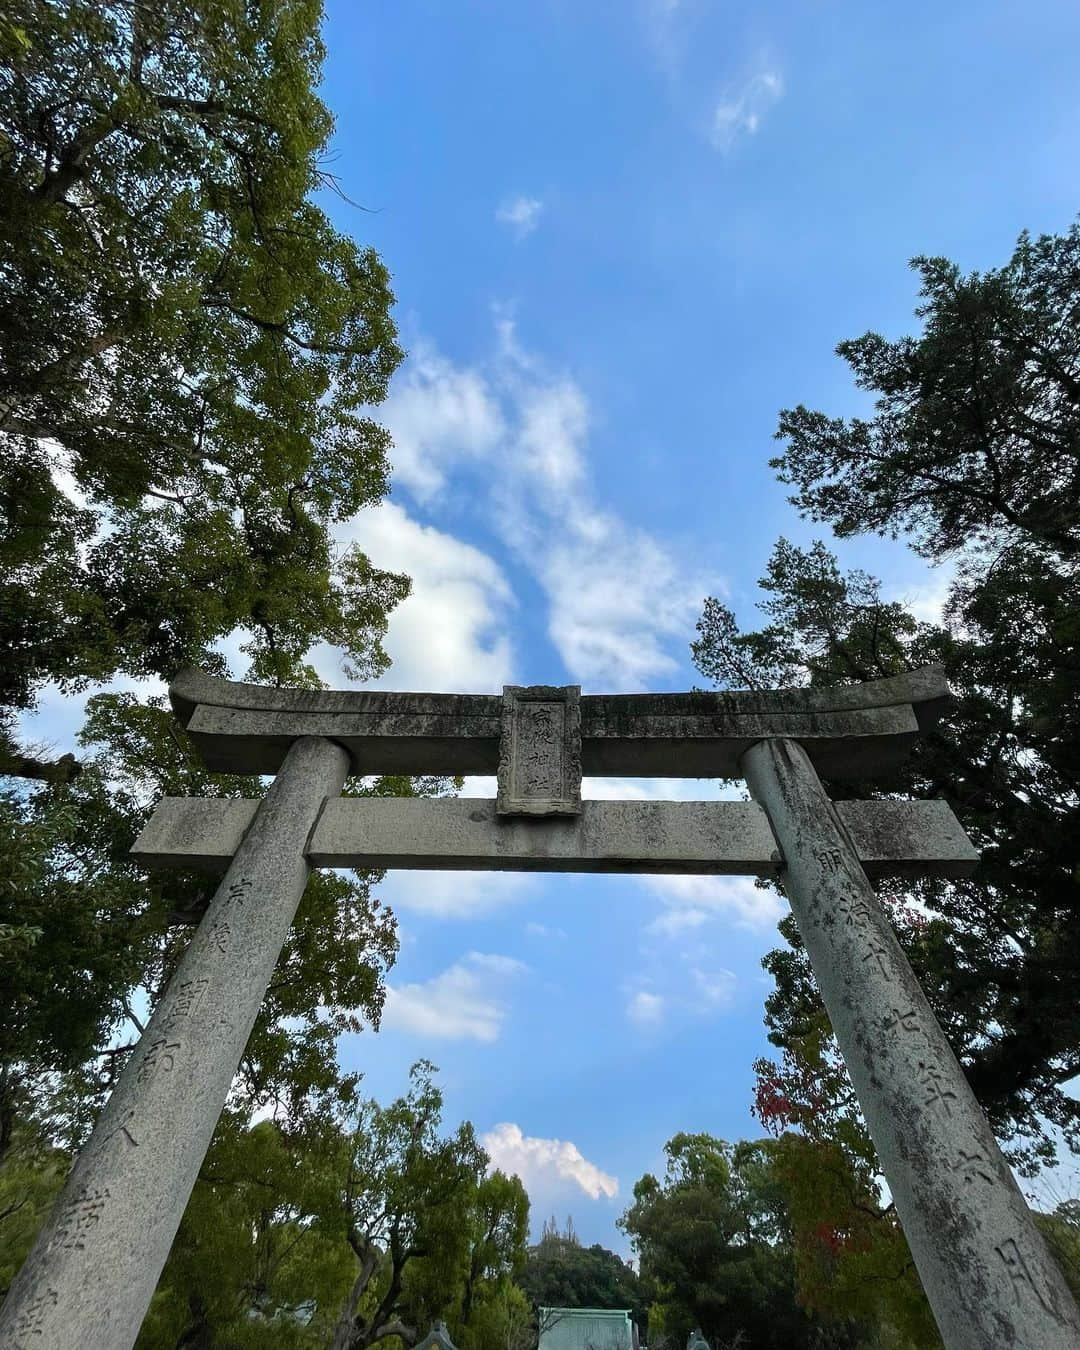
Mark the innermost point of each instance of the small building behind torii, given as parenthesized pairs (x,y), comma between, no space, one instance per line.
(586,1329)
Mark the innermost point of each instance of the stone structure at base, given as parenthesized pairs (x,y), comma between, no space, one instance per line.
(984,1266)
(986,1271)
(91,1274)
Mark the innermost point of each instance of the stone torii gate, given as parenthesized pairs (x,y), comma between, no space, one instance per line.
(985,1269)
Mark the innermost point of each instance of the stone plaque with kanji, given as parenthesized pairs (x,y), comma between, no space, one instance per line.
(540,751)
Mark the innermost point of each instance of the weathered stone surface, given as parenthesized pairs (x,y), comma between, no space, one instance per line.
(93,1269)
(891,837)
(985,1269)
(859,731)
(926,689)
(540,751)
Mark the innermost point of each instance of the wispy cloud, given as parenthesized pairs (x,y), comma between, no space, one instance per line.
(684,986)
(521,214)
(543,930)
(455,895)
(645,1009)
(463,1003)
(440,416)
(714,988)
(926,600)
(692,901)
(542,1164)
(620,600)
(740,110)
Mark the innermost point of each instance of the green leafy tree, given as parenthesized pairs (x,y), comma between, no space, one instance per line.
(259,1259)
(970,456)
(502,1318)
(715,1245)
(498,1233)
(73,901)
(348,1226)
(406,1197)
(188,351)
(31,1176)
(561,1273)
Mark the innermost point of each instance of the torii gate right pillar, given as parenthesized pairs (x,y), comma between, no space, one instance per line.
(985,1268)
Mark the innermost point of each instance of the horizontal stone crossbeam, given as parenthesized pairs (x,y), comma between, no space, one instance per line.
(855,732)
(733,838)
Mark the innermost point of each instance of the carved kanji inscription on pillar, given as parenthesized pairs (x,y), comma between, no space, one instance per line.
(33,1320)
(540,751)
(80,1218)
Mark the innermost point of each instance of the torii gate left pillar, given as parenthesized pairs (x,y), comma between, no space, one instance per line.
(986,1271)
(89,1280)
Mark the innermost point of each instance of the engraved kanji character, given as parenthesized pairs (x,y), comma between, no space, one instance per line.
(79,1219)
(932,1081)
(542,723)
(972,1167)
(854,910)
(221,935)
(907,1021)
(31,1321)
(238,892)
(124,1128)
(185,1000)
(876,951)
(159,1058)
(1023,1281)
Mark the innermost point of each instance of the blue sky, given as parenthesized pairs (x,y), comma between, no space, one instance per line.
(623,235)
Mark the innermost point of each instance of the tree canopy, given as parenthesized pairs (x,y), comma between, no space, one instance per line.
(189,350)
(972,448)
(561,1273)
(715,1244)
(190,356)
(357,1226)
(971,457)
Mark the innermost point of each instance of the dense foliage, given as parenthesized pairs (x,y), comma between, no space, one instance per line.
(715,1243)
(362,1224)
(188,349)
(971,455)
(561,1273)
(189,353)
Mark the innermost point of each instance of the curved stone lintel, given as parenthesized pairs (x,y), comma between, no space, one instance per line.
(852,732)
(926,689)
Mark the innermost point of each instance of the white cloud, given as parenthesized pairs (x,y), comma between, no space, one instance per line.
(926,600)
(450,634)
(645,1009)
(618,598)
(714,988)
(521,214)
(667,33)
(740,111)
(462,1003)
(452,894)
(540,930)
(620,601)
(553,421)
(673,923)
(439,415)
(543,1164)
(690,901)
